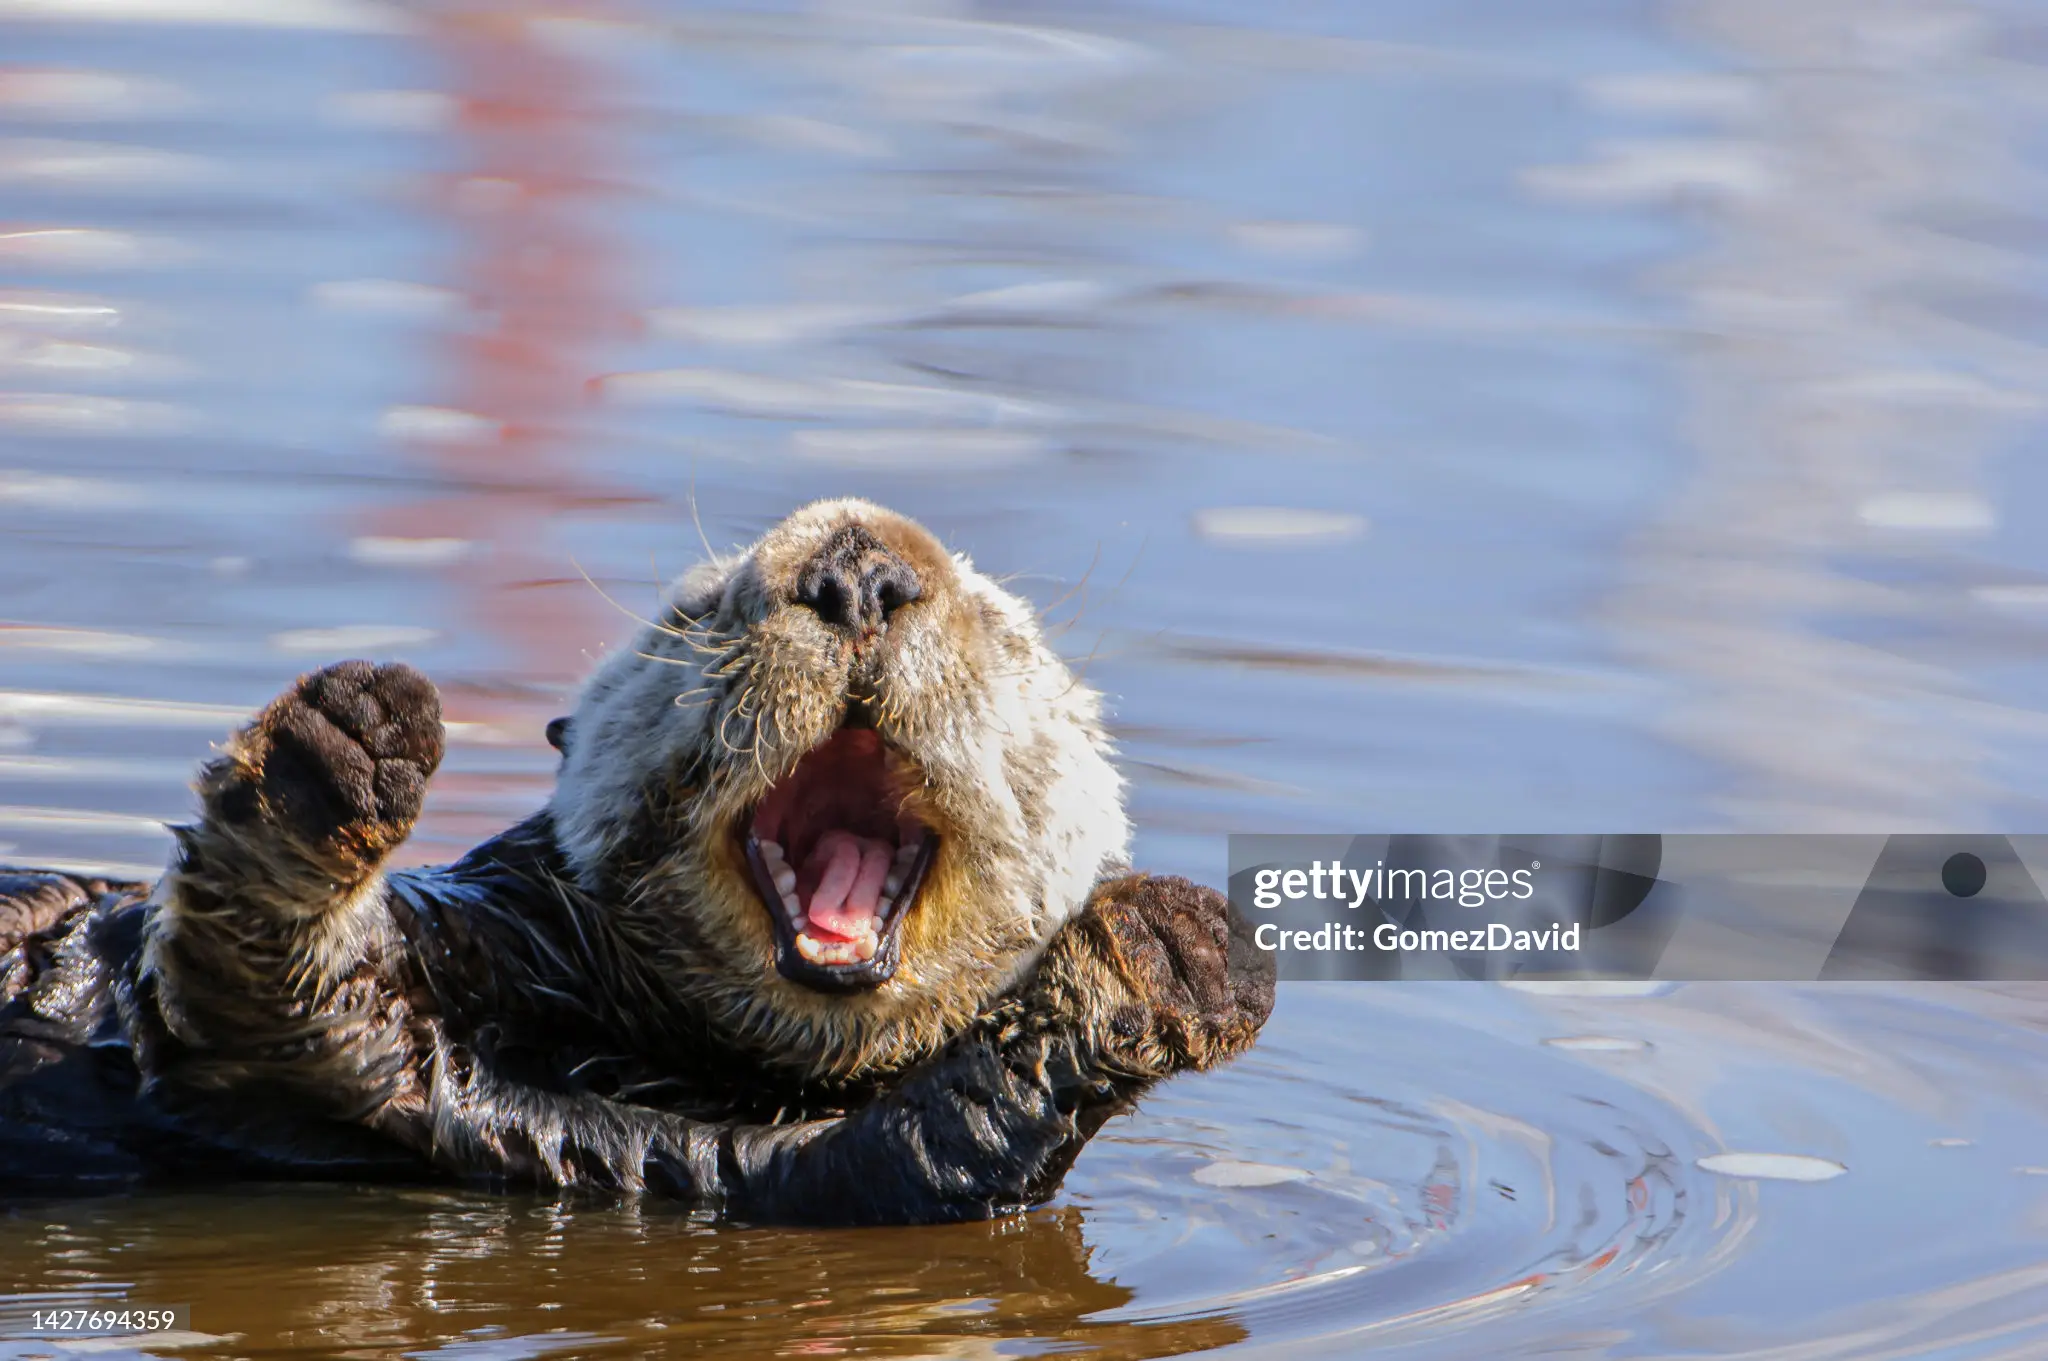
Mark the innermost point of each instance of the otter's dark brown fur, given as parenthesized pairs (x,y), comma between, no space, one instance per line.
(617,994)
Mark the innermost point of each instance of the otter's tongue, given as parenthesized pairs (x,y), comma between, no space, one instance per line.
(840,885)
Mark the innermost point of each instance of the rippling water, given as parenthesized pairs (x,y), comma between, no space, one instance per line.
(1421,1170)
(1548,417)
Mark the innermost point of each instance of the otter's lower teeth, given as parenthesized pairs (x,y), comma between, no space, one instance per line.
(861,948)
(785,880)
(816,951)
(791,905)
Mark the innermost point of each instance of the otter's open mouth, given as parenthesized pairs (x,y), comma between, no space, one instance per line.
(837,862)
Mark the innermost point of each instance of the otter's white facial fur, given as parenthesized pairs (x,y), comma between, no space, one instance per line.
(948,745)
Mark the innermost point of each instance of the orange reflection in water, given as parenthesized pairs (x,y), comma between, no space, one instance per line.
(545,282)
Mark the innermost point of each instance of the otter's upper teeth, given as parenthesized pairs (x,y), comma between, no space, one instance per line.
(789,902)
(906,853)
(779,872)
(892,882)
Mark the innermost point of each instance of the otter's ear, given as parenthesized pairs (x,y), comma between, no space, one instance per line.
(558,735)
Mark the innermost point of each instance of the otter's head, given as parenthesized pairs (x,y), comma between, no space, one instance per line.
(840,794)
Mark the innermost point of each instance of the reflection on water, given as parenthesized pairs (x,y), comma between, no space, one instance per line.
(503,1277)
(1407,1169)
(1544,417)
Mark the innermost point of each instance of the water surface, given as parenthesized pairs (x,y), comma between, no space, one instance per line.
(1474,417)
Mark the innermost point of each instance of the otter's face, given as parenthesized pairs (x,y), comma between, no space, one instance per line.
(841,794)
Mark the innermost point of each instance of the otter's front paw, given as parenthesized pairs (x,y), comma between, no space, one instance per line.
(338,764)
(1200,988)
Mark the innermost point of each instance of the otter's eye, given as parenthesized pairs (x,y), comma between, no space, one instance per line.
(558,735)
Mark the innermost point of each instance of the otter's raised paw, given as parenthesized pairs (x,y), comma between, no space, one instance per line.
(1202,987)
(338,764)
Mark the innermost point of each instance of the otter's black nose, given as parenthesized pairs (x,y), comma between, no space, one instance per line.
(855,582)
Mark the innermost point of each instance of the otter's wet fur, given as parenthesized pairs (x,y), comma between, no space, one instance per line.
(604,996)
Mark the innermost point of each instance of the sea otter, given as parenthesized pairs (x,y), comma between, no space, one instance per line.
(828,919)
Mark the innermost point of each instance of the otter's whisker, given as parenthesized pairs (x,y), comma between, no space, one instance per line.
(697,519)
(721,731)
(1081,610)
(1081,674)
(1062,629)
(695,637)
(1077,587)
(1095,655)
(1136,558)
(715,648)
(723,669)
(660,585)
(630,614)
(667,661)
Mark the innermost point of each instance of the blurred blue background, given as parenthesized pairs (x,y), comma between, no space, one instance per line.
(1559,417)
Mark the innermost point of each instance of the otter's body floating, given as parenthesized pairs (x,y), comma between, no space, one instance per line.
(828,919)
